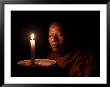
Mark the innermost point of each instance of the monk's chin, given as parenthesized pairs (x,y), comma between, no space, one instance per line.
(56,50)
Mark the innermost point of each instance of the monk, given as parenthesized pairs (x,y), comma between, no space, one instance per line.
(76,62)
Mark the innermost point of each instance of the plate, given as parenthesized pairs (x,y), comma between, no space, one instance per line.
(38,62)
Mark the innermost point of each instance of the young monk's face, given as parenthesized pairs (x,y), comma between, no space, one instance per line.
(56,38)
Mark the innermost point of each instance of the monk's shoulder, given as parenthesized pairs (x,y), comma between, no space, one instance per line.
(82,53)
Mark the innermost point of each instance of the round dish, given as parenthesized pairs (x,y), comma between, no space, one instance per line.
(38,62)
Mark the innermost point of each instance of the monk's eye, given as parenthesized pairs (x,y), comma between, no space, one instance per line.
(60,34)
(50,36)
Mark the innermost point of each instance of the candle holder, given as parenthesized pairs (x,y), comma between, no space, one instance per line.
(42,68)
(37,62)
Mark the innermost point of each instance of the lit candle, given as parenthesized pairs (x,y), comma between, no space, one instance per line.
(32,42)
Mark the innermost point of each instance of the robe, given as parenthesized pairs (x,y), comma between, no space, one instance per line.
(76,63)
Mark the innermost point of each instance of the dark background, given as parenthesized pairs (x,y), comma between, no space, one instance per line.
(82,31)
(55,1)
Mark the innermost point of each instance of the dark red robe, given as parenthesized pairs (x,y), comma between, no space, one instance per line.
(79,62)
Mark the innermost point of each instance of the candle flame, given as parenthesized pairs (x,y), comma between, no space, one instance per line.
(32,36)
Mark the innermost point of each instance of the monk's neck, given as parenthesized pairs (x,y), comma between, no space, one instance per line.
(60,53)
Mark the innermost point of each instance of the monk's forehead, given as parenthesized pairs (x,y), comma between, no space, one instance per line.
(55,28)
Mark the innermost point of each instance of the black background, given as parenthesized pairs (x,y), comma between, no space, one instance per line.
(56,1)
(82,30)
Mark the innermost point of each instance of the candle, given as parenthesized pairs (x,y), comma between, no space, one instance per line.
(32,42)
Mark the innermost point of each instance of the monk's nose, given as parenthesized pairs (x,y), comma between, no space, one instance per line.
(55,38)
